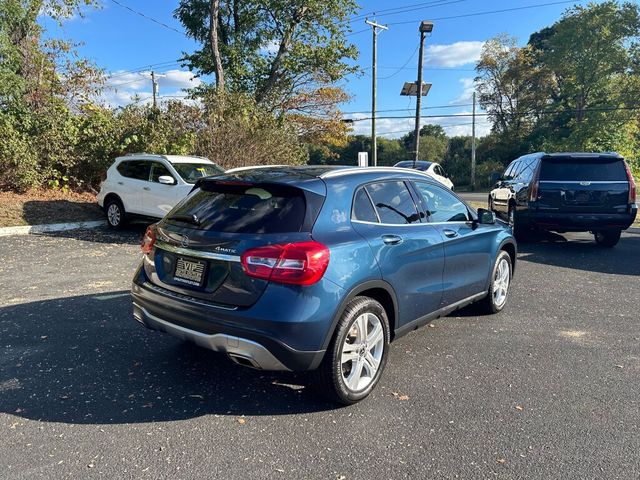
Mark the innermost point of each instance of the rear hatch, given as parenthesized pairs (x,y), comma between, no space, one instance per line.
(583,184)
(200,242)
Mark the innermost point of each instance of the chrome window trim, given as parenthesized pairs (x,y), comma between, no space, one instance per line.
(197,253)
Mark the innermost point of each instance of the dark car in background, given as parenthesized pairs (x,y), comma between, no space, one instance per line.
(318,268)
(567,192)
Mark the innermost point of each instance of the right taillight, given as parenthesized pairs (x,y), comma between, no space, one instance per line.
(301,263)
(632,184)
(533,191)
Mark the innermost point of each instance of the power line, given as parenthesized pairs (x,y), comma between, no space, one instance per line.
(151,19)
(402,67)
(541,112)
(404,9)
(409,108)
(143,68)
(464,15)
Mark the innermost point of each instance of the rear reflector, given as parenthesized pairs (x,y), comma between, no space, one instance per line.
(149,239)
(632,184)
(302,263)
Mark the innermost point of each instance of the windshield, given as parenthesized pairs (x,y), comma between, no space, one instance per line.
(190,172)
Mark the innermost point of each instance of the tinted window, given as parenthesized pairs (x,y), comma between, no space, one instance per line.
(158,170)
(191,172)
(363,208)
(443,206)
(583,170)
(138,169)
(438,170)
(250,208)
(420,164)
(393,203)
(527,166)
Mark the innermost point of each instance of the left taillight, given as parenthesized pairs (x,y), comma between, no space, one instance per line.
(149,239)
(300,263)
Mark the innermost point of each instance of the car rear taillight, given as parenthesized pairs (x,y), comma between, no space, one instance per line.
(533,191)
(149,239)
(632,184)
(302,263)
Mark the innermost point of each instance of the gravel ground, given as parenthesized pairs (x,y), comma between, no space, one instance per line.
(546,389)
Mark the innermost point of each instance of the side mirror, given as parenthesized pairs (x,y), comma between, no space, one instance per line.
(486,217)
(166,180)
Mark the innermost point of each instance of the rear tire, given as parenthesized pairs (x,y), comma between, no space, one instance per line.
(607,238)
(357,355)
(501,275)
(116,215)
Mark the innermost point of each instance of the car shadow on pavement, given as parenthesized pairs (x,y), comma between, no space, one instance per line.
(131,234)
(580,252)
(86,360)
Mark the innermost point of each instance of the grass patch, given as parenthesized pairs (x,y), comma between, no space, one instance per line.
(39,207)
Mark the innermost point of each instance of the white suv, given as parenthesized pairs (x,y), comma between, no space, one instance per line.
(149,185)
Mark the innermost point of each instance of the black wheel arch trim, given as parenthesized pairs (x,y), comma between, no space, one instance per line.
(508,241)
(363,287)
(111,195)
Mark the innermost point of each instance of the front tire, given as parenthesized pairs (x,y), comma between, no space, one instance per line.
(501,275)
(116,216)
(607,238)
(357,355)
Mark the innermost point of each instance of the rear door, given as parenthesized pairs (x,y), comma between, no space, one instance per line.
(200,241)
(583,184)
(408,251)
(467,248)
(135,176)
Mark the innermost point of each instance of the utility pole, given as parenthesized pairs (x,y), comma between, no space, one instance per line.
(425,27)
(374,74)
(473,144)
(154,86)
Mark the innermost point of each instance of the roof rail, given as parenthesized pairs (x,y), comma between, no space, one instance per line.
(255,167)
(349,171)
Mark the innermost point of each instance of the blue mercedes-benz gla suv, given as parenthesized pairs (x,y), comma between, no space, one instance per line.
(318,268)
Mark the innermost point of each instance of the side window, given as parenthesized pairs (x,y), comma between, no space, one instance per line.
(158,170)
(526,172)
(363,208)
(137,169)
(510,173)
(443,206)
(393,203)
(438,170)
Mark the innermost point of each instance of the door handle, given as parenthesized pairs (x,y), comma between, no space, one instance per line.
(450,233)
(120,183)
(391,239)
(146,188)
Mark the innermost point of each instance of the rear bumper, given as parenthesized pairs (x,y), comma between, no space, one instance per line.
(246,340)
(583,222)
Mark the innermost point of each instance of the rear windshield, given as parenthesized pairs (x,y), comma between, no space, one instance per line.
(583,170)
(191,172)
(245,208)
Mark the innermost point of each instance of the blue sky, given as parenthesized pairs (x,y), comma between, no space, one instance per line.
(120,41)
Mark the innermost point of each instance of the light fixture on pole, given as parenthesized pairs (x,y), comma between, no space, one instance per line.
(425,27)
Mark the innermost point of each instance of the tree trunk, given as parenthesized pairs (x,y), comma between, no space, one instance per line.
(214,8)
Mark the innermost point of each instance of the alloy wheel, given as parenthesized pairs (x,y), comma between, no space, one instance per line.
(113,214)
(362,352)
(501,283)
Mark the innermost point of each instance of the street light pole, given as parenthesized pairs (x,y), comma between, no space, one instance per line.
(425,27)
(374,74)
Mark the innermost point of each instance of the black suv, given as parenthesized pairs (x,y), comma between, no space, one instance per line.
(567,192)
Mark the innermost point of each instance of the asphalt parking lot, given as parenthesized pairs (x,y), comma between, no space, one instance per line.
(547,389)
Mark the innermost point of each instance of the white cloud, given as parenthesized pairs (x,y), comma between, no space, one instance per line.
(455,54)
(123,88)
(468,87)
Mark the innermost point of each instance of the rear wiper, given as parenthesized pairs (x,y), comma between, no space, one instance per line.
(193,219)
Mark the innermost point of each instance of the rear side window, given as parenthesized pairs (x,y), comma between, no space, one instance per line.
(363,208)
(246,208)
(568,170)
(138,169)
(393,203)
